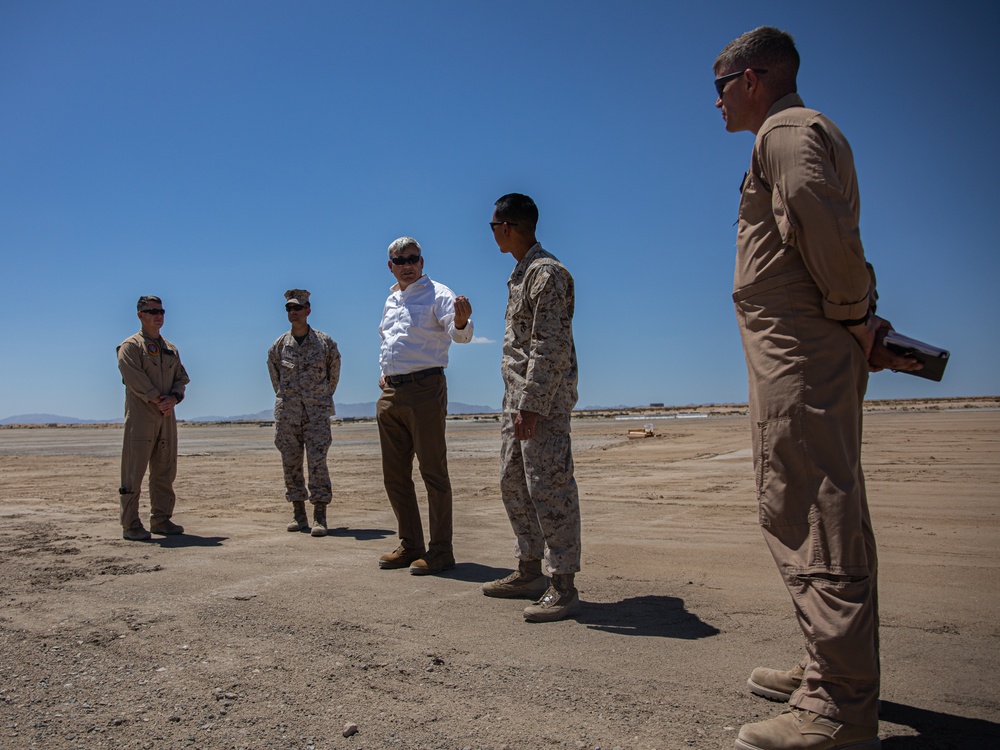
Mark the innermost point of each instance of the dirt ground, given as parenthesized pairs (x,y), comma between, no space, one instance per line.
(239,634)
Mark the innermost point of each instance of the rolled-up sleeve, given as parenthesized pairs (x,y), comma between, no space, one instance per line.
(814,213)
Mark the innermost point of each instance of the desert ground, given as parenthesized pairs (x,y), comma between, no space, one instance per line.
(239,634)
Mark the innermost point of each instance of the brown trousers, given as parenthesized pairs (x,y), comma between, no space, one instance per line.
(807,379)
(411,422)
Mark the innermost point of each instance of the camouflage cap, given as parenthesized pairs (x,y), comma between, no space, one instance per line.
(297,297)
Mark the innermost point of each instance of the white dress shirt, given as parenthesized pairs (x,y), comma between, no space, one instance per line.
(418,326)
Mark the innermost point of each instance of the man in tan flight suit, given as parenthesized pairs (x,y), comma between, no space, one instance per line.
(805,303)
(154,384)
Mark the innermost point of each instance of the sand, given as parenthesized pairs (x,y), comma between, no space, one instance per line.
(239,634)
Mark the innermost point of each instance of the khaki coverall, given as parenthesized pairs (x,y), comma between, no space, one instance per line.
(800,271)
(150,368)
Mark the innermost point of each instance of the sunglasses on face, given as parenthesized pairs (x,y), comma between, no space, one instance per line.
(155,311)
(409,260)
(289,308)
(721,81)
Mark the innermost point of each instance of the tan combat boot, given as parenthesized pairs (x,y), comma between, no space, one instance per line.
(319,519)
(797,729)
(527,582)
(166,527)
(775,684)
(300,522)
(559,602)
(136,534)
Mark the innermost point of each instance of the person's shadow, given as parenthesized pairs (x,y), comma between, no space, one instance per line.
(657,616)
(188,540)
(938,731)
(362,535)
(475,572)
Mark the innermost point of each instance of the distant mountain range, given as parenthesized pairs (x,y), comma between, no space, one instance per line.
(347,411)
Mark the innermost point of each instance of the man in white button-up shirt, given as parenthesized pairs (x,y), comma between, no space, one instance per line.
(419,321)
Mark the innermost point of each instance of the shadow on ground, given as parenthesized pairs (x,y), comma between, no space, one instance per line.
(188,540)
(362,535)
(475,573)
(938,730)
(655,616)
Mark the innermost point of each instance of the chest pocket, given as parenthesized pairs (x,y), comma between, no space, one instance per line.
(421,316)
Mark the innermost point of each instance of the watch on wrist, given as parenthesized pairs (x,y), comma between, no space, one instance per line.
(859,321)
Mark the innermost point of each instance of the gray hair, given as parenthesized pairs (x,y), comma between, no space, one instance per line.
(401,244)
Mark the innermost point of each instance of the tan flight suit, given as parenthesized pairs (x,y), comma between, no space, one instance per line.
(800,271)
(539,371)
(150,368)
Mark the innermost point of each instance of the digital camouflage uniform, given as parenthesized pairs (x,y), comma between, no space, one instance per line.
(539,371)
(304,377)
(150,368)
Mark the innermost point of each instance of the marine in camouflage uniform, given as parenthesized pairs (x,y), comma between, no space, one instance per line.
(539,371)
(154,381)
(304,365)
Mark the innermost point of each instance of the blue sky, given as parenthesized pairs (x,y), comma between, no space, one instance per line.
(218,153)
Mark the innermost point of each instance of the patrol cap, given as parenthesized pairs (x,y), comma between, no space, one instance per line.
(297,297)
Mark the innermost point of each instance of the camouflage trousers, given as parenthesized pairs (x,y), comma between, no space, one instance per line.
(540,493)
(296,433)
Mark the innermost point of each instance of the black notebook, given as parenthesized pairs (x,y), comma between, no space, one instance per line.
(932,358)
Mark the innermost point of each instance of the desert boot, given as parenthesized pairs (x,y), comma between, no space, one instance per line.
(775,684)
(300,521)
(797,729)
(136,534)
(167,527)
(560,601)
(527,582)
(319,519)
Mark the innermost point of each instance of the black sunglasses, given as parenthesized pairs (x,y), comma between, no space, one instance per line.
(409,260)
(154,311)
(721,81)
(289,308)
(495,224)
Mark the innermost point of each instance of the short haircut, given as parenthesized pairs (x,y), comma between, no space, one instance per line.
(517,209)
(147,299)
(398,245)
(765,47)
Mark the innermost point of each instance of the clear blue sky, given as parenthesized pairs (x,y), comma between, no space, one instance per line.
(218,153)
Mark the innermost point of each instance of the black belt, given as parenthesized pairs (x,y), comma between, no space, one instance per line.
(412,377)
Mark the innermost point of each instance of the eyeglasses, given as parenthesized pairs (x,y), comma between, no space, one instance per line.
(495,224)
(721,81)
(409,260)
(154,311)
(289,308)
